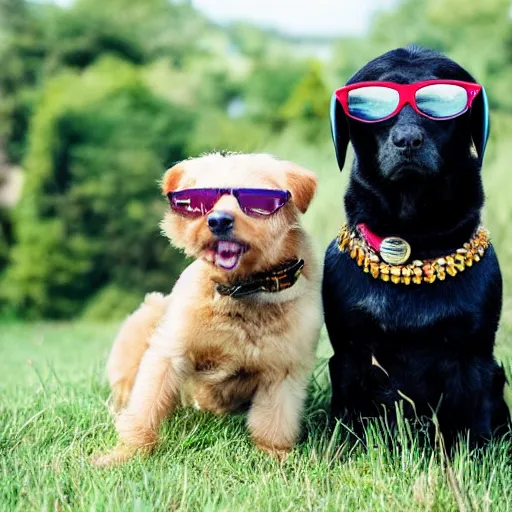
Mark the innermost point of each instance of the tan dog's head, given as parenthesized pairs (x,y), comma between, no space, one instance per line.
(242,244)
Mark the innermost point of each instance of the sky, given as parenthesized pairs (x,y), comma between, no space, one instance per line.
(298,17)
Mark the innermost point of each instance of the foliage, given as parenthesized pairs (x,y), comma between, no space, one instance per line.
(97,98)
(90,210)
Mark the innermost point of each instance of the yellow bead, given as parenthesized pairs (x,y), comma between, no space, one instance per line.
(406,271)
(384,269)
(451,270)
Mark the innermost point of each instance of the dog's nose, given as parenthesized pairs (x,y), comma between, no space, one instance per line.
(407,137)
(220,223)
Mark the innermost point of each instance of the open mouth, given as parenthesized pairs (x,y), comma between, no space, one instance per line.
(225,254)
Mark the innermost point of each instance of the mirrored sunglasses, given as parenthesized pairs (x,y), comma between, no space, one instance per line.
(372,102)
(255,202)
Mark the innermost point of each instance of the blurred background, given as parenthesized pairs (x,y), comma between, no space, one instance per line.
(99,97)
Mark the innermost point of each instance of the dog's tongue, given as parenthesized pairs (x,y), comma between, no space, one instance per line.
(227,254)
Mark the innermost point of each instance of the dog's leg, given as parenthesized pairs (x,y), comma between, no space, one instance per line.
(153,397)
(130,345)
(275,415)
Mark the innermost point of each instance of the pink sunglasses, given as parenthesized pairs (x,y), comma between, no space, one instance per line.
(255,202)
(372,102)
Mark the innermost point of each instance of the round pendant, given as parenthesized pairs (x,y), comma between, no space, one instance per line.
(394,250)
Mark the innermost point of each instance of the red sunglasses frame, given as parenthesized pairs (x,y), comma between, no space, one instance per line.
(407,96)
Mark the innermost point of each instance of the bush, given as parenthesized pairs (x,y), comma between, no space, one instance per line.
(91,205)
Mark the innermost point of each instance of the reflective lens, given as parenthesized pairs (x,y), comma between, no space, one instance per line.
(195,202)
(372,103)
(442,100)
(256,202)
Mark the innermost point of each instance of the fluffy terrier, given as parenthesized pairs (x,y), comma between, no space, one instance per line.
(240,327)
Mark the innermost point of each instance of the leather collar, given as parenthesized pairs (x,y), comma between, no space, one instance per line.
(274,280)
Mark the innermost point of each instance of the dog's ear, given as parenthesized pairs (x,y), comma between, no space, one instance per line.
(479,119)
(339,131)
(302,185)
(171,178)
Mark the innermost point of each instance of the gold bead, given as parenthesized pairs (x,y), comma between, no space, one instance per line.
(430,279)
(451,270)
(395,271)
(360,256)
(460,267)
(374,270)
(416,280)
(450,260)
(417,263)
(428,270)
(441,261)
(384,269)
(374,258)
(406,280)
(476,257)
(406,271)
(395,279)
(384,277)
(468,261)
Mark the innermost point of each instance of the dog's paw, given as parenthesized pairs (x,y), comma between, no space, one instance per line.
(117,456)
(278,452)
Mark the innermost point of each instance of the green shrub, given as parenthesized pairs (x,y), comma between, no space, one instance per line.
(91,205)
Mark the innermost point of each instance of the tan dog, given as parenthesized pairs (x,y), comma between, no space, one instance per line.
(218,350)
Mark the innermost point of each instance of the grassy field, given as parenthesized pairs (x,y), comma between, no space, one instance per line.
(53,417)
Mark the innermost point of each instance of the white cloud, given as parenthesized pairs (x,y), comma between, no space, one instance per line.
(301,17)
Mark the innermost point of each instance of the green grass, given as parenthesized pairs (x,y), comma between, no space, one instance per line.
(53,417)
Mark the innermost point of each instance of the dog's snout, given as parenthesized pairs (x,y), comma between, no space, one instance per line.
(220,223)
(407,137)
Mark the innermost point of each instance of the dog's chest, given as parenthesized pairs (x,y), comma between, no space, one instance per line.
(240,336)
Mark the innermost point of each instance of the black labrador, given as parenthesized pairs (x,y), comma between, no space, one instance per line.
(427,345)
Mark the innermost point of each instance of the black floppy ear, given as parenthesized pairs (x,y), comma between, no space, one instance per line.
(479,119)
(339,131)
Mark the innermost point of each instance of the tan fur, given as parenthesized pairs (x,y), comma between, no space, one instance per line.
(220,353)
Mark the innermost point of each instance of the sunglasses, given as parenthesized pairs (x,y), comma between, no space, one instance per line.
(255,202)
(372,102)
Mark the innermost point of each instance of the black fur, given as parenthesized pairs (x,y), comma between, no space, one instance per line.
(435,341)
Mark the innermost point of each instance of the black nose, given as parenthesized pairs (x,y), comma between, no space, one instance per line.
(407,137)
(220,223)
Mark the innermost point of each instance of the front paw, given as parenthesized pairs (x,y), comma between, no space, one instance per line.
(119,455)
(115,457)
(279,452)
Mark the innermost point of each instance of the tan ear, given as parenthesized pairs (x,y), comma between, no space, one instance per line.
(172,178)
(302,184)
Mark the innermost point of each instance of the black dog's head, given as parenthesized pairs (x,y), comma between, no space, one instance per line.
(410,146)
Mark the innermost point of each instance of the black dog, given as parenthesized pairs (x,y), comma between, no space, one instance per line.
(419,179)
